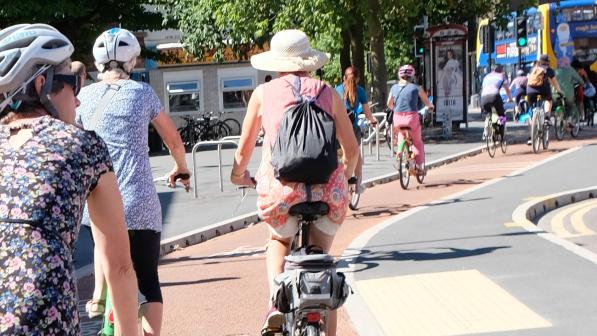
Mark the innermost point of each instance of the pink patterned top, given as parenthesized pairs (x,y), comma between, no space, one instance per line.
(274,197)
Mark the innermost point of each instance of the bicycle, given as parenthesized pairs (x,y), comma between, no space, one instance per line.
(563,120)
(539,126)
(406,160)
(492,134)
(309,288)
(205,127)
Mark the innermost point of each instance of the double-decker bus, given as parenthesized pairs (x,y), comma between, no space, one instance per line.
(565,30)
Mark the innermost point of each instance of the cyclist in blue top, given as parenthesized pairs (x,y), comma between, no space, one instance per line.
(355,98)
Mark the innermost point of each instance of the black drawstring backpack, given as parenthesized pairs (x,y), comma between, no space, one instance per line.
(305,147)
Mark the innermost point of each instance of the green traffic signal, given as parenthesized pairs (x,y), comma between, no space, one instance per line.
(421,50)
(522,42)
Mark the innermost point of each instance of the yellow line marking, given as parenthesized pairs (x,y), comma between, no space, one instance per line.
(577,219)
(446,303)
(557,222)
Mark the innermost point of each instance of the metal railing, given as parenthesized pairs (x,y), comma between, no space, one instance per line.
(374,133)
(219,143)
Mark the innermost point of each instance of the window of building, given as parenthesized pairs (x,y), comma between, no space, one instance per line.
(236,86)
(184,97)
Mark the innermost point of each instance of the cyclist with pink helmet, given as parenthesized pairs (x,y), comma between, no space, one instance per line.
(404,99)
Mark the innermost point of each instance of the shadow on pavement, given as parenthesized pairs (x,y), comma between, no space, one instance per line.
(249,253)
(197,282)
(451,183)
(384,211)
(458,200)
(368,259)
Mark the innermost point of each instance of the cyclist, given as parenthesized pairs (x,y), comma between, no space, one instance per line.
(490,94)
(404,99)
(568,79)
(518,88)
(293,58)
(539,82)
(355,98)
(49,168)
(123,124)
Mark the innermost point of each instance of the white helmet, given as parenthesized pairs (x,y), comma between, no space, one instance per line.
(24,47)
(115,44)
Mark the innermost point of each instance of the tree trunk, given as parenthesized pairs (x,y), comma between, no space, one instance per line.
(357,48)
(378,60)
(345,52)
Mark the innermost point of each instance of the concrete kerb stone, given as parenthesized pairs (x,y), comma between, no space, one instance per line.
(230,225)
(526,214)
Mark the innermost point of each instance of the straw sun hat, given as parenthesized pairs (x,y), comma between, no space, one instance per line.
(290,51)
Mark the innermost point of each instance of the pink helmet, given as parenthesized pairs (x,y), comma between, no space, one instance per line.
(406,71)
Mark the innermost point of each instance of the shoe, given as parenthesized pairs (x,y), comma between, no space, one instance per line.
(95,308)
(360,189)
(529,142)
(273,322)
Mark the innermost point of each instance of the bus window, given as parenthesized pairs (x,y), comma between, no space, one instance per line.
(531,25)
(588,14)
(499,35)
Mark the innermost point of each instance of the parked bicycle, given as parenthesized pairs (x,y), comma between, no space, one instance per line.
(310,287)
(539,126)
(564,120)
(406,160)
(202,128)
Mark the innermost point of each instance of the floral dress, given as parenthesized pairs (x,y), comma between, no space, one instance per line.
(43,188)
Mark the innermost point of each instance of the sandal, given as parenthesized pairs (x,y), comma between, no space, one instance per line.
(95,308)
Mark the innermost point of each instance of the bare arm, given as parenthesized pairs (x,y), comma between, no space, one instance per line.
(111,239)
(368,114)
(167,131)
(390,102)
(345,135)
(251,126)
(424,98)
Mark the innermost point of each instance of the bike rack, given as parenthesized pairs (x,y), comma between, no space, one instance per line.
(219,143)
(374,133)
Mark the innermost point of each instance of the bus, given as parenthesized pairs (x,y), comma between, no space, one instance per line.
(565,30)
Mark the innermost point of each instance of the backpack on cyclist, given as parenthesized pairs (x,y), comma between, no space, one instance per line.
(305,147)
(536,77)
(310,281)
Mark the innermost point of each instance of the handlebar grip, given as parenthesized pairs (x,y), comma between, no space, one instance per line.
(182,176)
(352,180)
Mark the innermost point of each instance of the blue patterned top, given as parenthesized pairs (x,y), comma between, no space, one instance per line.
(43,188)
(124,127)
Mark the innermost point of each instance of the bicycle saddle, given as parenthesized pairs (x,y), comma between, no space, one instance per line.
(405,128)
(309,209)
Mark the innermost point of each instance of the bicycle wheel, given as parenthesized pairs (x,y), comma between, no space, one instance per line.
(186,137)
(311,330)
(354,198)
(535,131)
(559,127)
(403,167)
(421,175)
(575,126)
(503,140)
(233,125)
(545,136)
(490,137)
(388,137)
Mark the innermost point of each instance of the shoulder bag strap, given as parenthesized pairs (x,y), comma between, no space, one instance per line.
(101,107)
(398,96)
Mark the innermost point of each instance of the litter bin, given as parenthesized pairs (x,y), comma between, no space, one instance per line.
(154,140)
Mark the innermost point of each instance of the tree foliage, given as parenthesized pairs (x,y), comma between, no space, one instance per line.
(81,20)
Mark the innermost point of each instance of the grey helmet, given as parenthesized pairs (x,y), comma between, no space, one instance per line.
(27,51)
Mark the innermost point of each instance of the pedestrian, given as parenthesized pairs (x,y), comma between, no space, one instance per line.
(293,58)
(404,99)
(79,69)
(50,167)
(120,111)
(356,103)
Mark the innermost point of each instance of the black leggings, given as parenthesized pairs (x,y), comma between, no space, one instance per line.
(145,252)
(493,101)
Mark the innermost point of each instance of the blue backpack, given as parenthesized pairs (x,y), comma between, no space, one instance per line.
(305,146)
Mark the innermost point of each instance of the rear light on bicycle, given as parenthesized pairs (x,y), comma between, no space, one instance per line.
(111,316)
(313,317)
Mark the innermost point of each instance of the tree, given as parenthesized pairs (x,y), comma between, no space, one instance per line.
(82,20)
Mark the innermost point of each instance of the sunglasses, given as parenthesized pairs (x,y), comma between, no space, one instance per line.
(72,80)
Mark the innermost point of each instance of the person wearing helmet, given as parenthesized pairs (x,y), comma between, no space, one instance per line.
(519,88)
(120,111)
(50,167)
(404,99)
(490,94)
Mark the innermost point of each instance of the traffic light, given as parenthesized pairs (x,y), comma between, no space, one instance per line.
(419,48)
(488,38)
(521,31)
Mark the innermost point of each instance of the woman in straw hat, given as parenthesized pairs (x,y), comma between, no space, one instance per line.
(293,58)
